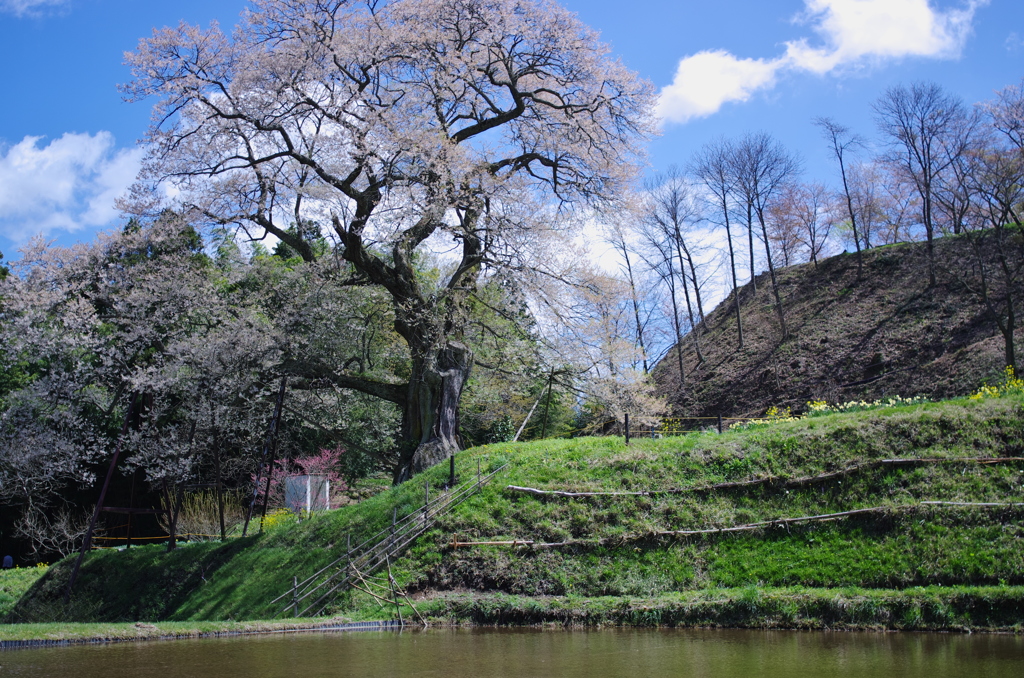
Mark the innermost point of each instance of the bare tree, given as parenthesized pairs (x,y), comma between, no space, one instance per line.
(885,202)
(712,166)
(397,122)
(922,122)
(842,141)
(661,260)
(1006,114)
(953,186)
(743,203)
(803,217)
(669,213)
(997,236)
(53,531)
(763,168)
(617,238)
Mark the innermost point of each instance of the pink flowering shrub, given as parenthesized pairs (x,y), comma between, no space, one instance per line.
(325,462)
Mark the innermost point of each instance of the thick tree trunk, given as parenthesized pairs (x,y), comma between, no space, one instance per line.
(430,426)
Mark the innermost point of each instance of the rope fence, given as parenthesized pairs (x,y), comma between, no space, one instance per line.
(669,426)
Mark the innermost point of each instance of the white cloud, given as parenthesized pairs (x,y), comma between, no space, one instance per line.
(706,80)
(858,30)
(852,33)
(67,185)
(29,7)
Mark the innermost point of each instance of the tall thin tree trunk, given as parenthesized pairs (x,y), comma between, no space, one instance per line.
(775,284)
(675,322)
(732,268)
(696,288)
(930,235)
(750,238)
(689,307)
(636,308)
(853,219)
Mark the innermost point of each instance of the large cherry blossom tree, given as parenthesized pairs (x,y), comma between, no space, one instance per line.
(407,126)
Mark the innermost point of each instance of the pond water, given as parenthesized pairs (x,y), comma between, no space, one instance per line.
(481,653)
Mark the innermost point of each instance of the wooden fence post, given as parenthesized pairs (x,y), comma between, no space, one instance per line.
(394,519)
(394,591)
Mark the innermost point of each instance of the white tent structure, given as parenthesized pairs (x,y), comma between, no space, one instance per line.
(307,493)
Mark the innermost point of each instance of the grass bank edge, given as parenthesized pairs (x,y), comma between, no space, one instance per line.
(946,609)
(950,609)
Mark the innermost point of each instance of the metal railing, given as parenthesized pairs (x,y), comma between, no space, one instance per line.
(315,592)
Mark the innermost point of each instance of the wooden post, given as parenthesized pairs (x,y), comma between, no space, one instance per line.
(547,406)
(394,519)
(478,471)
(348,555)
(295,596)
(719,423)
(627,428)
(394,592)
(451,470)
(426,500)
(87,542)
(131,504)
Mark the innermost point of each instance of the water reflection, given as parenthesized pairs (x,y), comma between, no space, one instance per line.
(483,653)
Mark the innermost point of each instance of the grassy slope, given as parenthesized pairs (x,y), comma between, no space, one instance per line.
(933,341)
(14,583)
(864,565)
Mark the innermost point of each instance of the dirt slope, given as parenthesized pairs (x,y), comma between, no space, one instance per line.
(884,333)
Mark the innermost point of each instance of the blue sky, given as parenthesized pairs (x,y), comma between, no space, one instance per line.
(67,141)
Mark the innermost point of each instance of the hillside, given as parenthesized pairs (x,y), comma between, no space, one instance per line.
(885,333)
(621,558)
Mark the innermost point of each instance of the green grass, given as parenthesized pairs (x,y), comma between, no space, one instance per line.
(71,631)
(907,546)
(14,583)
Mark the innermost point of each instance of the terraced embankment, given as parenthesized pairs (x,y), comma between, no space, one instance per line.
(707,538)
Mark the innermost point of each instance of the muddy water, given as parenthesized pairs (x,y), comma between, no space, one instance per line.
(482,653)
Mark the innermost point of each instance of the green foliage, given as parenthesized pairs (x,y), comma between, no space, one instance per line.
(502,430)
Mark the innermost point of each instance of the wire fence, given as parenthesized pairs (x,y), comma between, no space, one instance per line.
(667,426)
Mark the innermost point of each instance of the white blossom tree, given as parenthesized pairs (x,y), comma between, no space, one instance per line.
(405,125)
